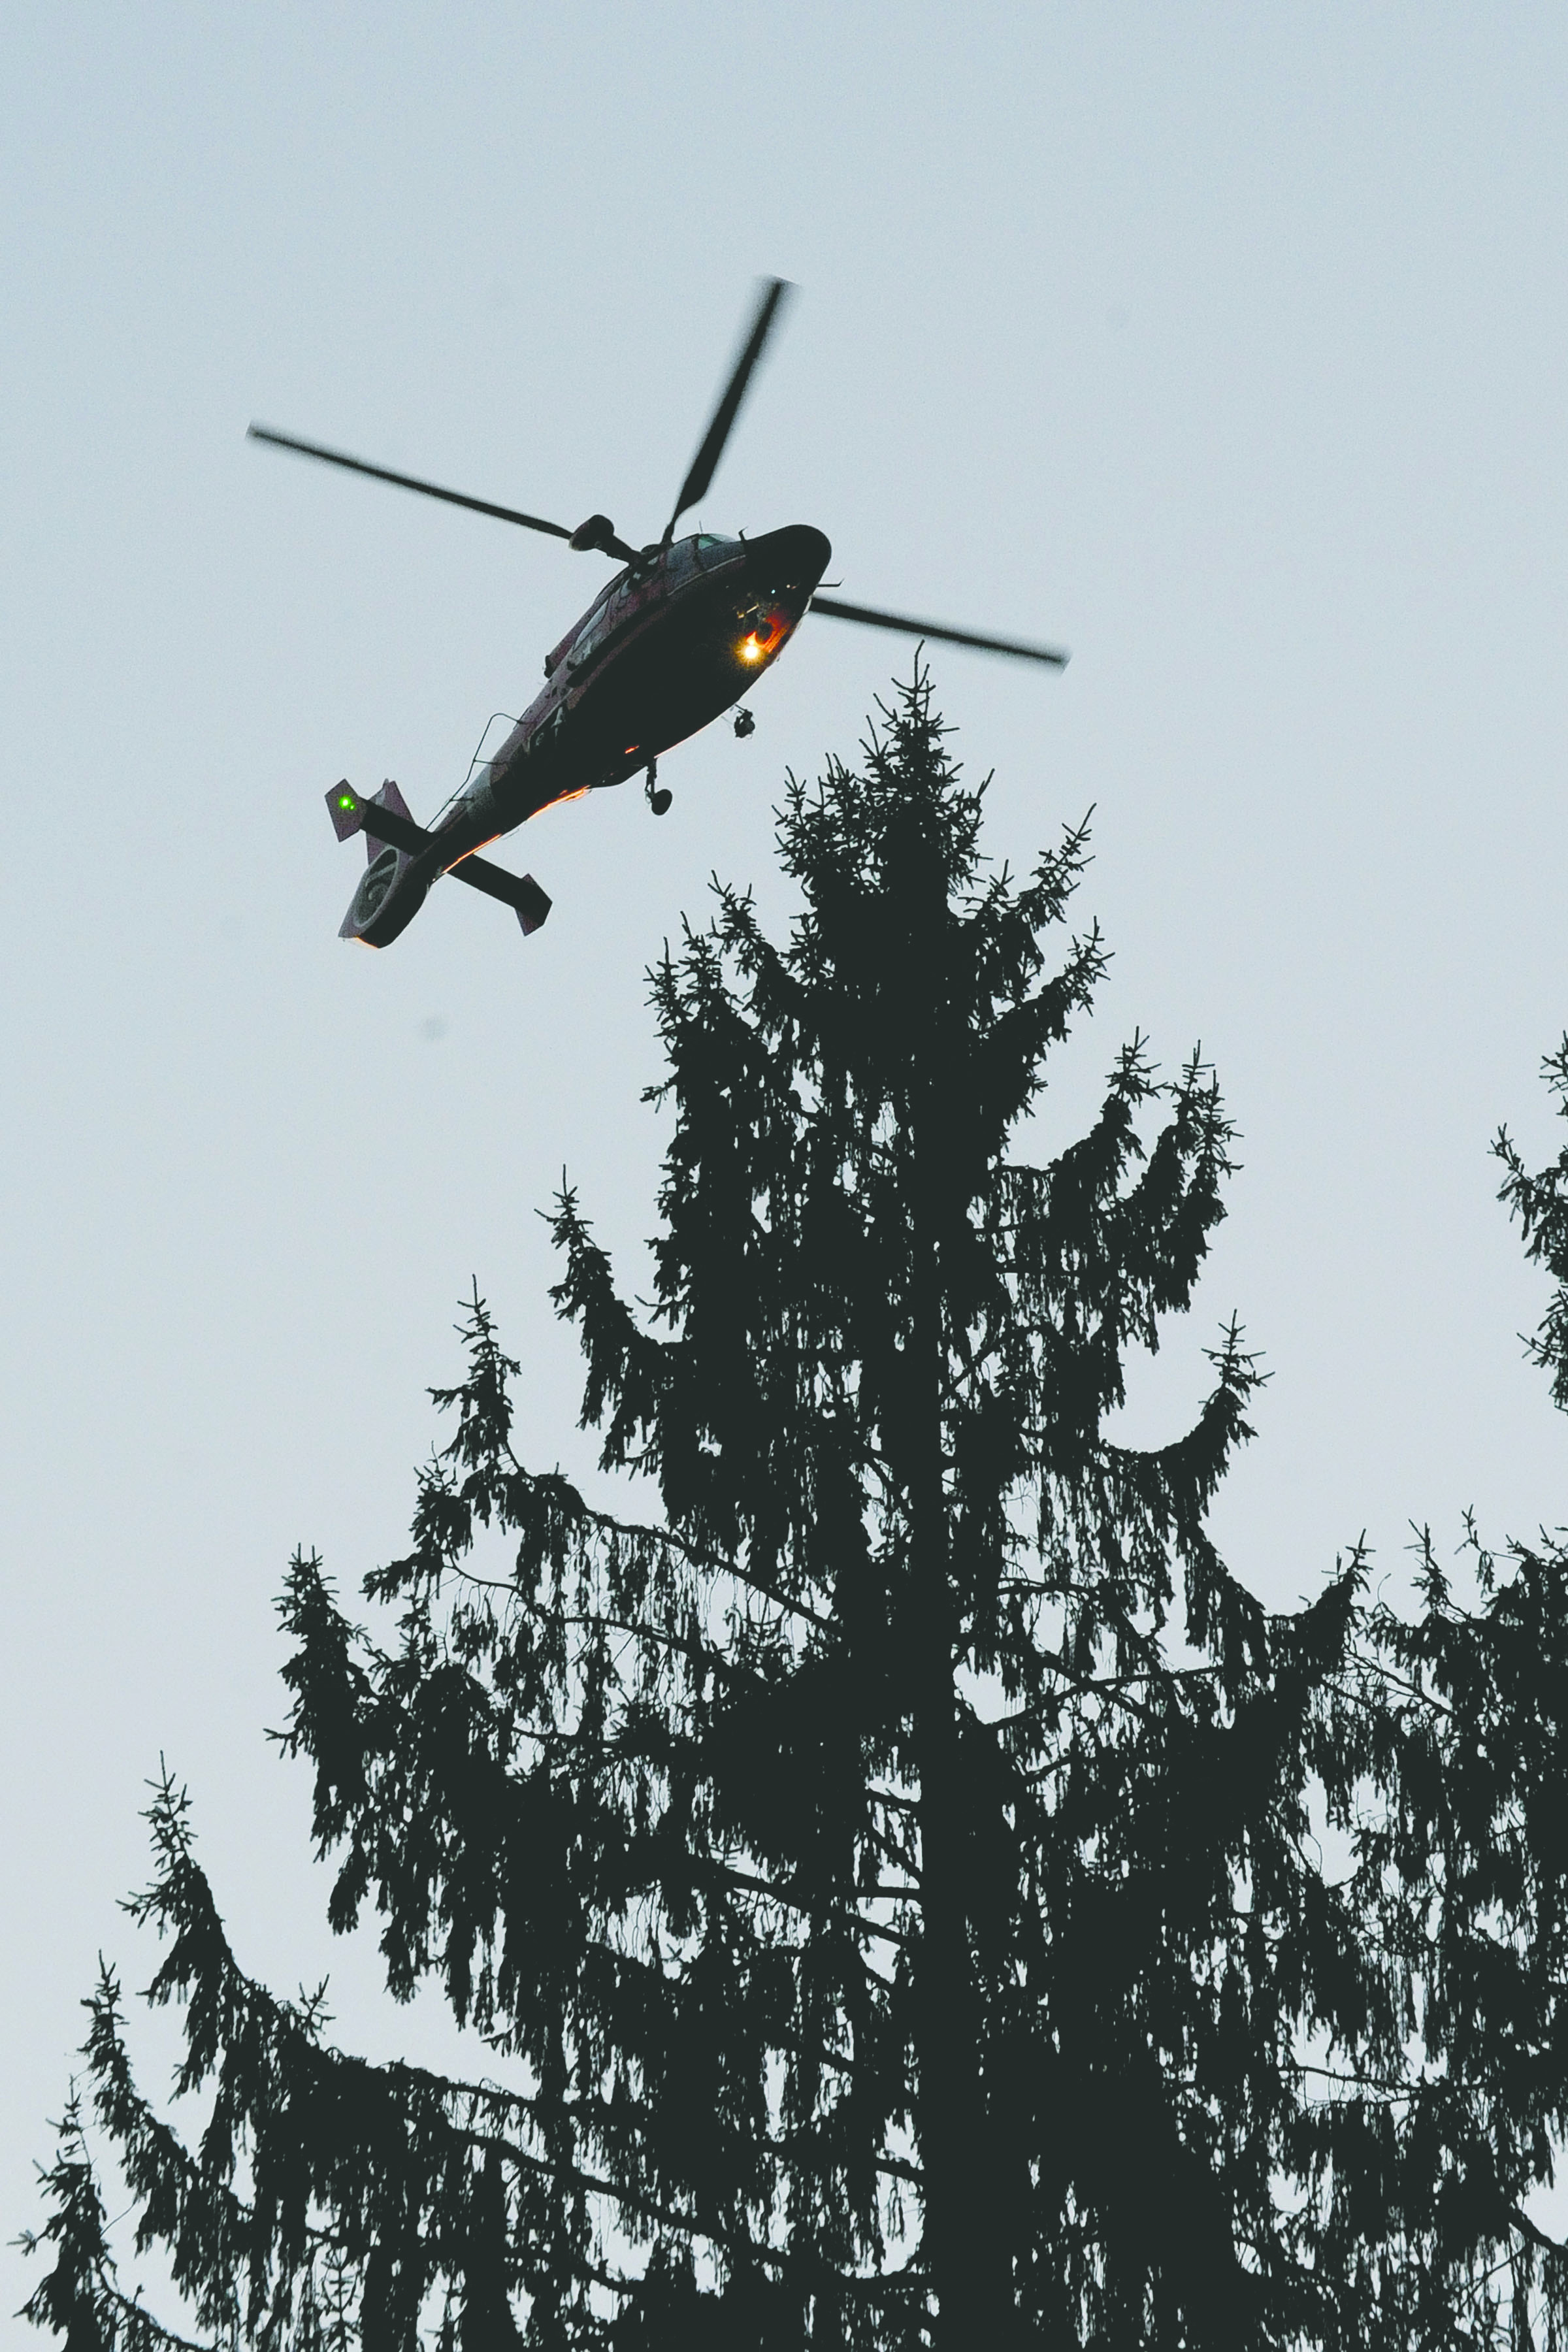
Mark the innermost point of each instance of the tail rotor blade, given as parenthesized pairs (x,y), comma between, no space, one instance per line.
(1019,647)
(404,481)
(771,294)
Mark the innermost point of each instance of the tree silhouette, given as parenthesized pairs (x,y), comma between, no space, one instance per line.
(911,1892)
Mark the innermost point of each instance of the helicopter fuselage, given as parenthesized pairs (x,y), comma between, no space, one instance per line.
(671,641)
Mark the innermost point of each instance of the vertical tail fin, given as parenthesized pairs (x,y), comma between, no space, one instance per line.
(389,798)
(352,812)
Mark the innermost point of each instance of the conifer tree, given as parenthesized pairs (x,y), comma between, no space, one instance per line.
(910,1891)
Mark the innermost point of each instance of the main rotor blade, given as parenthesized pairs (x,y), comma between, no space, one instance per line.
(772,292)
(1019,646)
(404,481)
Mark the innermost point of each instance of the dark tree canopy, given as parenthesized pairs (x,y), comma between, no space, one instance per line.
(910,1891)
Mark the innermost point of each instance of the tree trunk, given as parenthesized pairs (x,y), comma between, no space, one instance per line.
(965,2246)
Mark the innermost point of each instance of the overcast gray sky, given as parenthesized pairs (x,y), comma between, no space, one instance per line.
(1224,344)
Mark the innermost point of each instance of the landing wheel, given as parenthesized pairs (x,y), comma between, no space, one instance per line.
(659,799)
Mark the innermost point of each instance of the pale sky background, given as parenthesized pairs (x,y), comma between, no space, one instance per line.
(1223,345)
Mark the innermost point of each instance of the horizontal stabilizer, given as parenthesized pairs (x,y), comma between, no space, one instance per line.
(519,891)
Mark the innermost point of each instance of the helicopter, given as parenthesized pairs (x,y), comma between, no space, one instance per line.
(672,640)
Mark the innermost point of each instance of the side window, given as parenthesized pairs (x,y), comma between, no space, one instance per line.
(588,636)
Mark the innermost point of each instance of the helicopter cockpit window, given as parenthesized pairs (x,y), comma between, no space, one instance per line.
(589,634)
(712,550)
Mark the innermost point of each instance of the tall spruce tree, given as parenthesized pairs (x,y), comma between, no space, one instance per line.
(911,1892)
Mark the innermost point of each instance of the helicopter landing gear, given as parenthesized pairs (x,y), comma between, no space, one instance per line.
(660,800)
(744,724)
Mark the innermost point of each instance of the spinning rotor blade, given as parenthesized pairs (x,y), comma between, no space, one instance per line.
(406,481)
(834,611)
(771,293)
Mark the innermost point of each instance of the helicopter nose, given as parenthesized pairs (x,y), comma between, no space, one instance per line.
(794,557)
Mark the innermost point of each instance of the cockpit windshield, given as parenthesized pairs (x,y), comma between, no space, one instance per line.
(700,554)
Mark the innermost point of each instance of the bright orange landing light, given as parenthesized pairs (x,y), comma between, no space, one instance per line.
(580,795)
(767,632)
